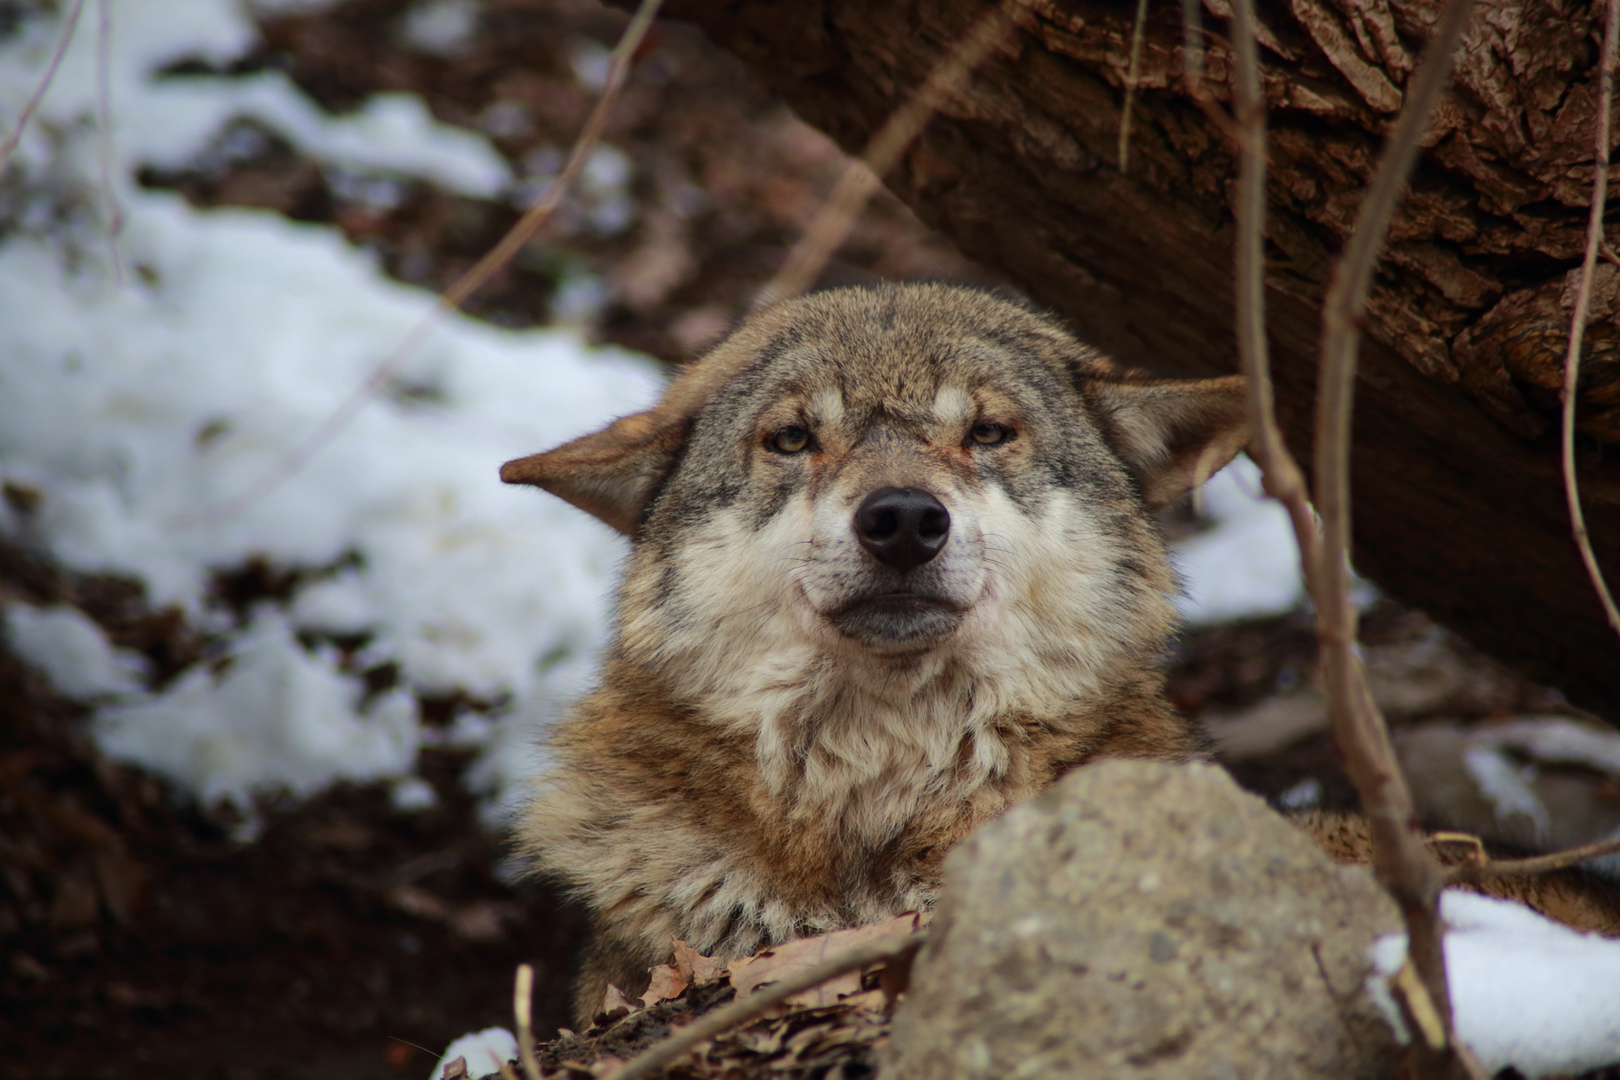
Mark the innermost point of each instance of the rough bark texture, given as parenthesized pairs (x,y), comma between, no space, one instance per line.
(1458,503)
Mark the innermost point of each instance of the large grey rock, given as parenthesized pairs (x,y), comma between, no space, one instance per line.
(1145,920)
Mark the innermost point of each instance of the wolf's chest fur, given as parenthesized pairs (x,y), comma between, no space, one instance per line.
(893,569)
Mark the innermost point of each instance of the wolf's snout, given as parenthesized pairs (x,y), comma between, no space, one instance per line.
(902,527)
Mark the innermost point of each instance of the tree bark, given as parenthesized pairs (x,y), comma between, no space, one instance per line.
(1459,508)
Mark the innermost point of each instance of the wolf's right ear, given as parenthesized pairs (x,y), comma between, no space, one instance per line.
(610,473)
(1173,434)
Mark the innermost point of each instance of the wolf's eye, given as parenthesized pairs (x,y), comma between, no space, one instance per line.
(990,434)
(790,440)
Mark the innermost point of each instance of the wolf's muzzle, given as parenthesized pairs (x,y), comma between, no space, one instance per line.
(903,528)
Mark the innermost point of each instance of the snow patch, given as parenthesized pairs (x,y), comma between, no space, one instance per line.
(272,717)
(1559,739)
(1526,992)
(1304,795)
(143,412)
(389,133)
(440,27)
(485,1052)
(72,651)
(166,121)
(413,794)
(1247,566)
(1506,785)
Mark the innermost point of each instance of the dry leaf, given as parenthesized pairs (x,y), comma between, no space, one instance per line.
(614,999)
(791,957)
(697,968)
(667,982)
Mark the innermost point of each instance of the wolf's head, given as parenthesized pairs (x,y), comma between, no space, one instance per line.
(884,485)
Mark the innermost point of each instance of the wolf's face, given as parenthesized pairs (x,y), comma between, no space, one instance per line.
(873,494)
(895,485)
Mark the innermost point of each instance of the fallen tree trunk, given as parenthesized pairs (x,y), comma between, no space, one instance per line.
(1458,498)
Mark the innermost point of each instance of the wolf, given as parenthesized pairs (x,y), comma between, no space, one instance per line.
(894,567)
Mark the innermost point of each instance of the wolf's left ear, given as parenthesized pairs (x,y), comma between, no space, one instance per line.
(1173,433)
(610,473)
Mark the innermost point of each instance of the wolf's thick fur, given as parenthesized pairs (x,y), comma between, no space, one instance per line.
(794,726)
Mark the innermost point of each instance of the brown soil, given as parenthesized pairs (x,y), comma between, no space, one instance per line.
(141,940)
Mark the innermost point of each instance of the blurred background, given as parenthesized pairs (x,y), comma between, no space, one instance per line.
(276,648)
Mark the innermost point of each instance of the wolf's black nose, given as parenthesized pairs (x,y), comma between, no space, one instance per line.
(902,527)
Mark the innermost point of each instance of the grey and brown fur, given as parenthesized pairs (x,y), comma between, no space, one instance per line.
(789,734)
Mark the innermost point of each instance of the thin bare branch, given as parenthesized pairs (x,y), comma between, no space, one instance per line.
(1280,473)
(1192,59)
(14,136)
(744,1009)
(1540,864)
(1137,33)
(833,220)
(1404,864)
(1583,306)
(1192,44)
(464,286)
(112,210)
(523,1012)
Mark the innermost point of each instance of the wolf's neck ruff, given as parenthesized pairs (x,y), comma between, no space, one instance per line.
(864,738)
(894,568)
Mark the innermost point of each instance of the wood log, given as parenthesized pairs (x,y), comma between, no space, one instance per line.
(1459,508)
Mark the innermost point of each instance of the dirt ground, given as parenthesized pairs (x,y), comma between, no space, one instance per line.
(138,937)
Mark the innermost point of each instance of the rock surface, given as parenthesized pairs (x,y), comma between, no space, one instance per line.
(1145,920)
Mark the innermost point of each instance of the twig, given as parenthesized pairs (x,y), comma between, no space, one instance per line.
(1192,44)
(1418,1007)
(464,286)
(1540,864)
(1583,304)
(112,211)
(1192,59)
(1475,846)
(742,1010)
(1137,33)
(522,1009)
(14,136)
(848,198)
(1280,474)
(1405,866)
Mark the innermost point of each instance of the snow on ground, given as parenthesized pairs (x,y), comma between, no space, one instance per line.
(1247,565)
(140,408)
(72,651)
(483,1052)
(1526,992)
(165,122)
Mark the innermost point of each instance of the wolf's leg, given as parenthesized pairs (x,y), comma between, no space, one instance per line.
(615,961)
